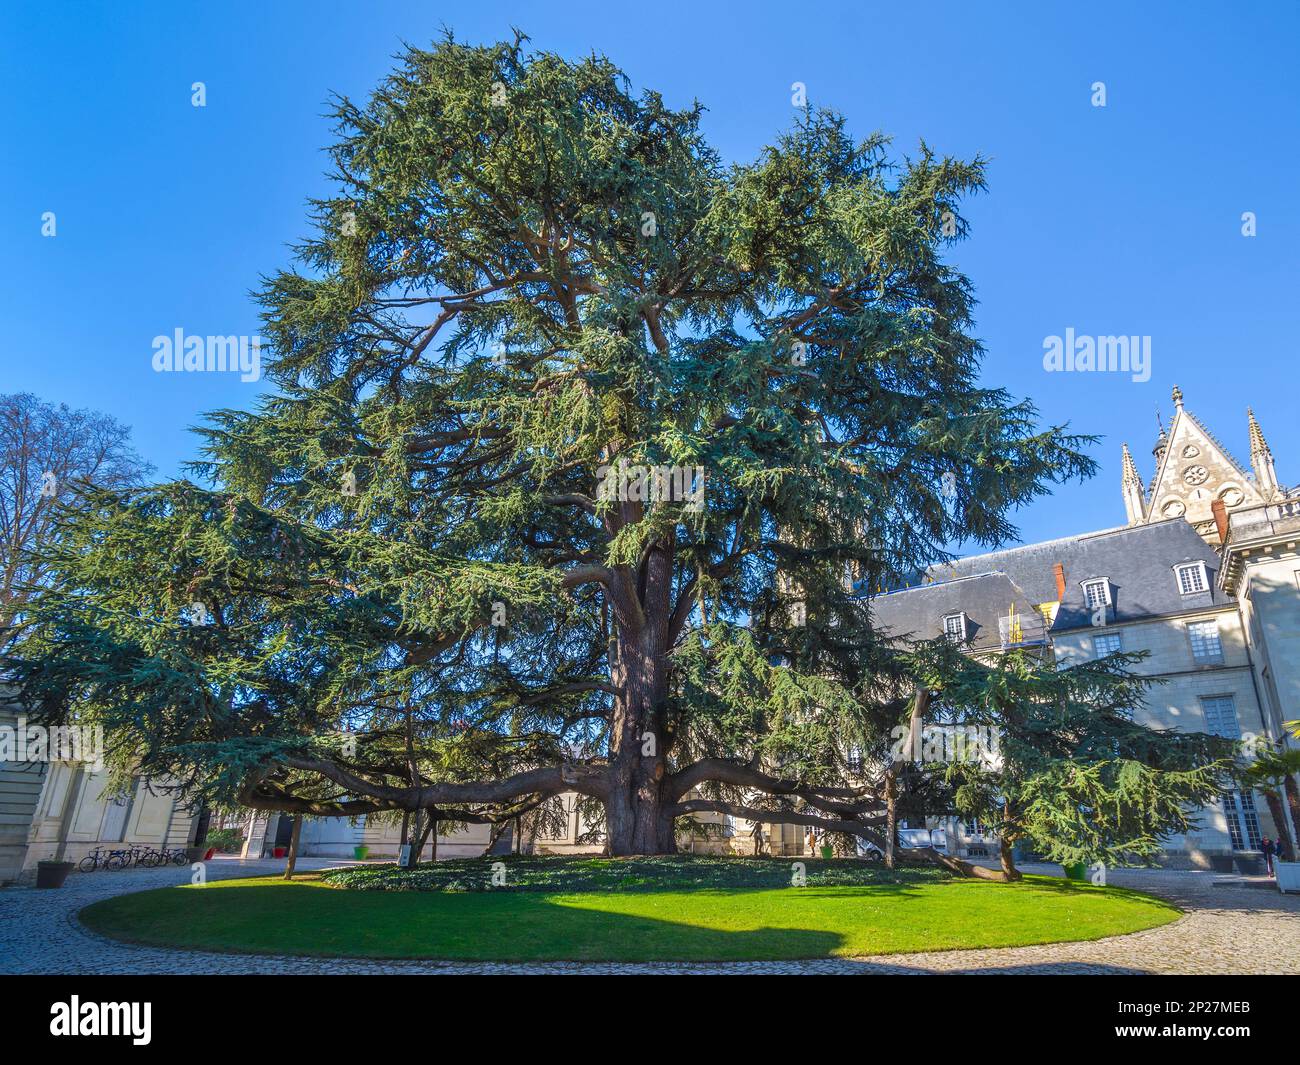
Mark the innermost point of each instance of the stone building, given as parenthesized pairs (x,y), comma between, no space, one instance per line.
(1204,577)
(338,837)
(65,809)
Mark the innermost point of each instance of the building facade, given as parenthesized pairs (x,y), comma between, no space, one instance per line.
(1204,577)
(64,810)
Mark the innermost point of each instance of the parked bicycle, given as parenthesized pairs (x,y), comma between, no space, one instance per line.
(122,858)
(149,858)
(113,859)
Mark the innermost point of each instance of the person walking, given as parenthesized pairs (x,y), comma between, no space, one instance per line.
(1266,845)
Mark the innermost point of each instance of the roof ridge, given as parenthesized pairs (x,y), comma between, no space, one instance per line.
(1073,538)
(1219,444)
(1047,543)
(949,581)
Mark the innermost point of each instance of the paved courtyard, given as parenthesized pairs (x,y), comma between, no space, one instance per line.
(1225,930)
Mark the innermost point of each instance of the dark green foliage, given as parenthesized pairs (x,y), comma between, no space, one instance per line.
(562,873)
(485,318)
(225,840)
(1079,776)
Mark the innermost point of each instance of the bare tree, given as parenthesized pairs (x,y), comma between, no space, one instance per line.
(46,451)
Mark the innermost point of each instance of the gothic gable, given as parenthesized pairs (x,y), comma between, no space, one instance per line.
(1195,471)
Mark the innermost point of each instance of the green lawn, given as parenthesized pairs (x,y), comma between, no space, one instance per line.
(310,917)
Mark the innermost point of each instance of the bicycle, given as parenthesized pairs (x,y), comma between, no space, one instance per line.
(115,860)
(144,857)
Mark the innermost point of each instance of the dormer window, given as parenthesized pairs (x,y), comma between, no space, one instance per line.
(954,627)
(1191,578)
(1096,592)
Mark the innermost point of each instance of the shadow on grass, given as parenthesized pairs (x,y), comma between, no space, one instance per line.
(308,918)
(1062,886)
(507,926)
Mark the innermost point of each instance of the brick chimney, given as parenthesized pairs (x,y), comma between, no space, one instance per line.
(1220,519)
(1058,571)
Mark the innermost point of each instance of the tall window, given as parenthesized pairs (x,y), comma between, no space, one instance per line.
(1191,578)
(1106,644)
(1221,715)
(1205,641)
(1243,820)
(1097,592)
(954,627)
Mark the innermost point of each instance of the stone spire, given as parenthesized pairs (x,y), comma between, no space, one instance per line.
(1261,459)
(1130,467)
(1134,497)
(1162,441)
(1257,441)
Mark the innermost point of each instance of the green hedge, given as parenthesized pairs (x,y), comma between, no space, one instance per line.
(225,839)
(576,873)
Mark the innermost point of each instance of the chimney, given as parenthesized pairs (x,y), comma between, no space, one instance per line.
(1220,512)
(1058,571)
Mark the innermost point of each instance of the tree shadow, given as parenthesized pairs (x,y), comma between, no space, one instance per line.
(310,919)
(882,967)
(1062,886)
(517,927)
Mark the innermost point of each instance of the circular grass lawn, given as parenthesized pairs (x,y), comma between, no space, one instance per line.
(646,921)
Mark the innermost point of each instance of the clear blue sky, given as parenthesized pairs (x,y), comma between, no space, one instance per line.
(1117,220)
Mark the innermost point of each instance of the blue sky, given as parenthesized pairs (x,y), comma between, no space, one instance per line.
(1117,220)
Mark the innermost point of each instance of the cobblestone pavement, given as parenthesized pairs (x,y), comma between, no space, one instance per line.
(1225,930)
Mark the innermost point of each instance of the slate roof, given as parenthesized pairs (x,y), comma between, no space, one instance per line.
(985,598)
(1138,560)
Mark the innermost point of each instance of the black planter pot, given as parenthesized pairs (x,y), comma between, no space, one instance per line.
(52,874)
(1248,865)
(195,854)
(1221,863)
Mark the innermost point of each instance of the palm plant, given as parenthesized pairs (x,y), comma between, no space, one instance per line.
(1273,769)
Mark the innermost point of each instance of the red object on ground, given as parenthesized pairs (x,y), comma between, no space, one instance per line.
(279,852)
(211,851)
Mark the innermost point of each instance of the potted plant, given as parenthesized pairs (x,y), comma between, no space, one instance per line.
(195,854)
(51,873)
